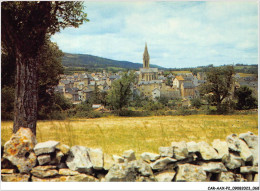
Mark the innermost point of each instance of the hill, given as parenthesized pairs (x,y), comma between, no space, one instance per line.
(86,62)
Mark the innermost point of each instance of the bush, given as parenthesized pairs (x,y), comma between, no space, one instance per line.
(196,102)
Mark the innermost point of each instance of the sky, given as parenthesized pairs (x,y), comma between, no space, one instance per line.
(178,34)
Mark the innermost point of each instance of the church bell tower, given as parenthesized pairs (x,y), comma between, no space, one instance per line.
(146,57)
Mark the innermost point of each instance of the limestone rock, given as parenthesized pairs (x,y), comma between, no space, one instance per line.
(142,168)
(15,177)
(233,161)
(180,150)
(118,159)
(53,179)
(63,148)
(146,156)
(121,172)
(239,178)
(245,152)
(249,177)
(44,171)
(192,147)
(162,163)
(19,150)
(248,169)
(129,155)
(207,152)
(79,178)
(79,160)
(214,167)
(145,179)
(190,173)
(7,171)
(250,139)
(96,158)
(67,172)
(45,147)
(44,159)
(227,177)
(108,161)
(165,176)
(221,147)
(233,142)
(256,178)
(166,151)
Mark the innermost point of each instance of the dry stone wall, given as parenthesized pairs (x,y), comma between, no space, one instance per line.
(235,159)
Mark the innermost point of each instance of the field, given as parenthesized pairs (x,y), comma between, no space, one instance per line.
(142,134)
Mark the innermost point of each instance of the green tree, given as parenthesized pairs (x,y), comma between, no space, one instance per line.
(120,93)
(196,102)
(245,99)
(218,85)
(25,27)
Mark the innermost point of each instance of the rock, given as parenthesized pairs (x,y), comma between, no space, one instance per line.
(61,165)
(96,158)
(53,179)
(162,163)
(213,167)
(101,177)
(227,177)
(207,152)
(255,156)
(165,176)
(7,171)
(45,147)
(67,172)
(145,179)
(180,150)
(6,164)
(233,142)
(79,178)
(146,156)
(79,160)
(256,178)
(249,177)
(192,147)
(63,148)
(129,155)
(239,178)
(44,159)
(118,159)
(166,151)
(245,153)
(142,168)
(221,147)
(56,157)
(121,172)
(248,169)
(190,173)
(250,139)
(233,161)
(44,171)
(108,161)
(19,150)
(15,177)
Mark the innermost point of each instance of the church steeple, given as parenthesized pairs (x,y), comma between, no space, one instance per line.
(146,57)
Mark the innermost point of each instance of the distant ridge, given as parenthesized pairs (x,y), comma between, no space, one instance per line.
(95,62)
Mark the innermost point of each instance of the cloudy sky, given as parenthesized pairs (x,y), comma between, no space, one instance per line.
(178,34)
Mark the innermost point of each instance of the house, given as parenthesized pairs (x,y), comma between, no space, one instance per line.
(156,93)
(178,80)
(188,90)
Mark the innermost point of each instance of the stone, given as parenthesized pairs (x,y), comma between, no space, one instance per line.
(190,173)
(250,139)
(245,152)
(6,164)
(192,147)
(56,157)
(121,172)
(227,177)
(63,148)
(233,142)
(213,167)
(233,161)
(221,147)
(256,178)
(129,155)
(53,179)
(79,160)
(44,171)
(15,177)
(254,152)
(249,177)
(239,178)
(149,157)
(142,168)
(118,159)
(7,171)
(96,158)
(79,178)
(44,159)
(166,151)
(248,169)
(207,152)
(108,161)
(145,179)
(62,165)
(162,163)
(19,150)
(45,147)
(67,172)
(165,176)
(180,150)
(101,177)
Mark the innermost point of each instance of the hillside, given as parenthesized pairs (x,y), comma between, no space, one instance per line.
(85,62)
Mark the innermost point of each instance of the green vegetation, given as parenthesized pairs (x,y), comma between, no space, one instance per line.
(245,98)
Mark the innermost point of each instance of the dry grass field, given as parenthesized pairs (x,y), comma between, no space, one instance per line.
(142,134)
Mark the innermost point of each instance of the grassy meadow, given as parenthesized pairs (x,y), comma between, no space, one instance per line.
(142,134)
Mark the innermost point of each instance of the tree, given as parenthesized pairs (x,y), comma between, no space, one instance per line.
(218,85)
(245,99)
(196,102)
(120,93)
(25,27)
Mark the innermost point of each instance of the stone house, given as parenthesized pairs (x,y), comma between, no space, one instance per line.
(178,80)
(188,90)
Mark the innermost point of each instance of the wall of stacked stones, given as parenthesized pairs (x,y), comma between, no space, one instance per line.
(235,159)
